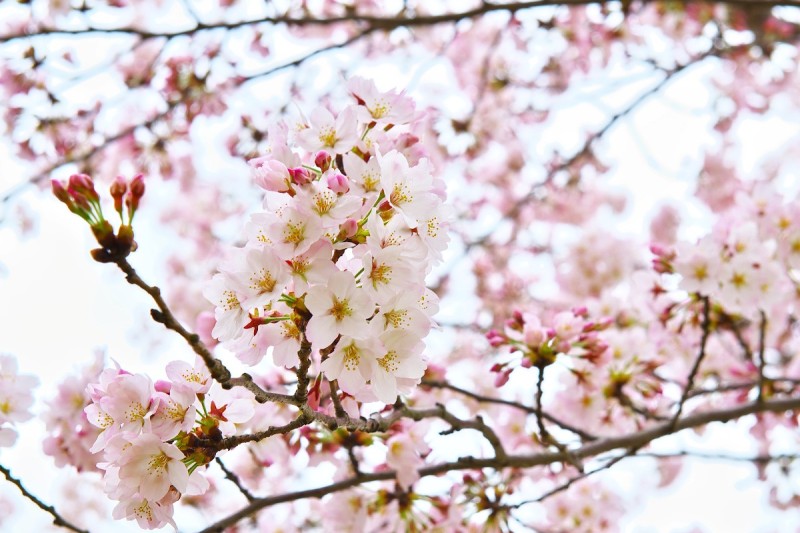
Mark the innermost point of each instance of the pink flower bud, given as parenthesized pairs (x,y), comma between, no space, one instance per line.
(137,187)
(502,378)
(323,160)
(82,185)
(580,311)
(526,362)
(118,189)
(406,140)
(349,227)
(495,338)
(338,183)
(300,176)
(270,175)
(162,386)
(61,193)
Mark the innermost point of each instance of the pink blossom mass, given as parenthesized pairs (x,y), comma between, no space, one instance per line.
(384,266)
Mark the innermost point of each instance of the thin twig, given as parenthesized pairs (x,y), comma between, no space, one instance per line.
(58,520)
(516,405)
(382,22)
(706,327)
(762,333)
(635,440)
(230,475)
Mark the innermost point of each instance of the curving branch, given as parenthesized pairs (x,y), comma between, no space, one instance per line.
(385,23)
(509,403)
(706,328)
(633,441)
(233,478)
(58,520)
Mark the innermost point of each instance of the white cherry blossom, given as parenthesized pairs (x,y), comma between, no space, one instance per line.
(338,308)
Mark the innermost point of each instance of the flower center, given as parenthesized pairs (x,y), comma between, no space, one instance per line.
(400,194)
(340,309)
(327,136)
(294,233)
(351,357)
(263,283)
(396,317)
(389,362)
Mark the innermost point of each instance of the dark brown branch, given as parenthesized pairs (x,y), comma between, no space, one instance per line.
(516,405)
(706,327)
(756,459)
(379,22)
(233,478)
(228,443)
(762,333)
(58,520)
(580,477)
(337,403)
(630,441)
(217,369)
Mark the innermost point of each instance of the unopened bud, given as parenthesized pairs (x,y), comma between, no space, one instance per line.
(495,338)
(406,140)
(162,386)
(118,189)
(82,185)
(349,228)
(502,378)
(300,176)
(323,160)
(101,255)
(270,174)
(61,193)
(137,190)
(338,183)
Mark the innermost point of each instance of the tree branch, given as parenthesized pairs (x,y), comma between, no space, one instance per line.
(379,22)
(516,405)
(630,441)
(706,326)
(230,475)
(58,520)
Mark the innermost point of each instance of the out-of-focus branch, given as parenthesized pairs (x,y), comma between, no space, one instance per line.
(516,405)
(706,328)
(233,478)
(84,156)
(379,22)
(632,441)
(58,520)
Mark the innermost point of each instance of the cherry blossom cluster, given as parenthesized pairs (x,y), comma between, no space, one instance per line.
(748,262)
(568,333)
(16,398)
(151,439)
(70,434)
(353,220)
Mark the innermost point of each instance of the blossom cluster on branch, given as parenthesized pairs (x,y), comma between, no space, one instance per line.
(295,211)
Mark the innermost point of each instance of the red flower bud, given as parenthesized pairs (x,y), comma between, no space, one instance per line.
(118,189)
